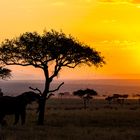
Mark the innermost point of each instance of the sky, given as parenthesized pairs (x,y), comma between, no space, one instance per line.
(110,26)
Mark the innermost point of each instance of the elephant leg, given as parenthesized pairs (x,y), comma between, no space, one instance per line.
(16,118)
(23,117)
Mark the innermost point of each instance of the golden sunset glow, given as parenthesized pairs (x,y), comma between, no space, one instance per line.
(110,26)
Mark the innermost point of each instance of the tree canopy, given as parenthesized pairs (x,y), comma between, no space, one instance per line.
(40,50)
(87,92)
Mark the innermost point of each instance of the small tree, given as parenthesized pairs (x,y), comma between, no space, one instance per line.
(5,73)
(61,94)
(50,51)
(86,95)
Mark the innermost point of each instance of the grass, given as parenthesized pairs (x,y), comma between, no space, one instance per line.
(67,120)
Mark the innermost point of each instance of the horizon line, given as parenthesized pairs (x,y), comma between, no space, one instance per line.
(71,79)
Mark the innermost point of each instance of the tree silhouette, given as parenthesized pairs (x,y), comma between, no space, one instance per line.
(86,95)
(60,95)
(50,51)
(5,73)
(117,97)
(138,96)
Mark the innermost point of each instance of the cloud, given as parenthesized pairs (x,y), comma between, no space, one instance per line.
(121,1)
(106,0)
(59,3)
(88,1)
(116,44)
(109,21)
(115,1)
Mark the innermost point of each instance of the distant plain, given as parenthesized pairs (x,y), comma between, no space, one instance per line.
(102,86)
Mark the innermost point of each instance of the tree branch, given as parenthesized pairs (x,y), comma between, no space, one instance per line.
(57,87)
(36,89)
(19,64)
(56,69)
(67,65)
(51,94)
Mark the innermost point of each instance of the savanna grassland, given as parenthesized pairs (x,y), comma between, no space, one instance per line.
(66,119)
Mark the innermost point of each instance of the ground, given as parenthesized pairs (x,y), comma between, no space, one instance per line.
(66,119)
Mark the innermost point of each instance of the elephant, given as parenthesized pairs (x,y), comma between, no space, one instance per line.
(16,105)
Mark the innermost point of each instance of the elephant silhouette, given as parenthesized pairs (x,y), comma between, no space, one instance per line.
(16,106)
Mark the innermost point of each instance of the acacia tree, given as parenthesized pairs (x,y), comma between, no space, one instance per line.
(50,51)
(5,73)
(86,95)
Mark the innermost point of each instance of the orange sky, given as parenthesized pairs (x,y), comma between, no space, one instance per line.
(110,26)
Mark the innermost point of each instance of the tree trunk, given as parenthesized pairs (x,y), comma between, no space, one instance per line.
(42,101)
(41,115)
(85,104)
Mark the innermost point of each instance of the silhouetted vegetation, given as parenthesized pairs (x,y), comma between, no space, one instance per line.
(86,95)
(5,73)
(137,96)
(117,97)
(63,94)
(51,50)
